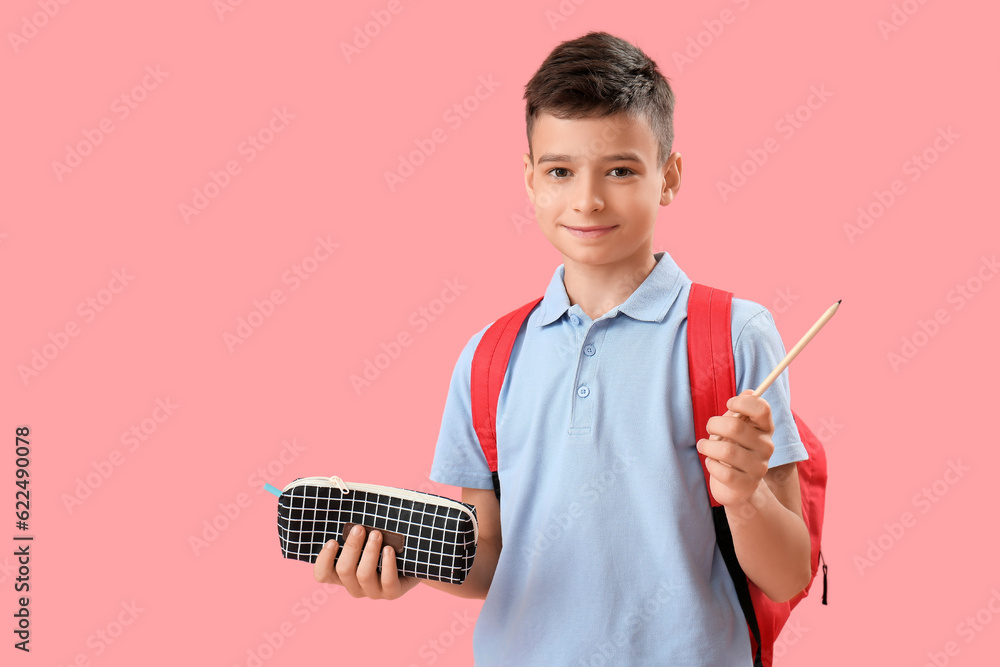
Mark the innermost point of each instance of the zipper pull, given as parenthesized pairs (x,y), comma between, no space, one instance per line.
(823,560)
(339,483)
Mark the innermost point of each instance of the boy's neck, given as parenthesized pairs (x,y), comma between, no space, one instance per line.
(599,288)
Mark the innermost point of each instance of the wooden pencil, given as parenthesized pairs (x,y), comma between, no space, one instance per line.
(787,360)
(798,348)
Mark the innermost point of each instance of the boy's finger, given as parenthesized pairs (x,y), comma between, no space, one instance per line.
(726,426)
(728,476)
(323,568)
(367,574)
(728,453)
(347,563)
(391,586)
(751,408)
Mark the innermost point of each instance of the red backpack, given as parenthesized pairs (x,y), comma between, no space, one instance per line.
(712,373)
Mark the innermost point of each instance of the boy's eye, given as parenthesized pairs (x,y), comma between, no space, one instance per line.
(562,172)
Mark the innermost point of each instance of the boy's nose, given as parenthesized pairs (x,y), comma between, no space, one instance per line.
(587,196)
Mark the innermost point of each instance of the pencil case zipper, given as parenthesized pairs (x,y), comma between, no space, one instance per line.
(405,494)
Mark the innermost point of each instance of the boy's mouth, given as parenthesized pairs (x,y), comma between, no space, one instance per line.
(591,231)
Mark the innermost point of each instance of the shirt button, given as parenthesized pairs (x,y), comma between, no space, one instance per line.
(574,319)
(589,350)
(583,392)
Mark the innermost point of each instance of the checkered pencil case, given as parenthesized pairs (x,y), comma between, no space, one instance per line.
(433,537)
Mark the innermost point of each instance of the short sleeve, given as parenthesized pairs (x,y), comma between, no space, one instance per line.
(757,349)
(458,456)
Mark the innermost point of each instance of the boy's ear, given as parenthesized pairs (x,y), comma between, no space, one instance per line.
(671,178)
(529,177)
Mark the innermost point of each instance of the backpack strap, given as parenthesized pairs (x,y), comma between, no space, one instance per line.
(710,360)
(712,371)
(489,365)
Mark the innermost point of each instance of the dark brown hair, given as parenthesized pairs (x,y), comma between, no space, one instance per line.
(599,75)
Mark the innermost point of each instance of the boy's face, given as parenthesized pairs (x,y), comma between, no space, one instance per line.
(594,173)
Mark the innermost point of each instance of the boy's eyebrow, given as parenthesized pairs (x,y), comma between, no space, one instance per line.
(617,157)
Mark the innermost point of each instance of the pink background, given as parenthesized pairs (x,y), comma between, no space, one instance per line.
(780,239)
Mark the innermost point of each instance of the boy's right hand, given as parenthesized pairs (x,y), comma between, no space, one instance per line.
(361,578)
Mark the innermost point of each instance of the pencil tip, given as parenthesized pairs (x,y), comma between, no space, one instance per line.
(838,301)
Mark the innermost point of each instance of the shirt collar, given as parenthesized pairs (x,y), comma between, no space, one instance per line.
(649,302)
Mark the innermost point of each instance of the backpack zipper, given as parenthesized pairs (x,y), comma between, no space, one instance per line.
(405,494)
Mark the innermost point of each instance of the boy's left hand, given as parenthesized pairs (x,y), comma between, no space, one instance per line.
(739,449)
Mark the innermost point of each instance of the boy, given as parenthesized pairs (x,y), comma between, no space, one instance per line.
(603,550)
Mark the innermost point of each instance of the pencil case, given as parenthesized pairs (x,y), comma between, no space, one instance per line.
(433,537)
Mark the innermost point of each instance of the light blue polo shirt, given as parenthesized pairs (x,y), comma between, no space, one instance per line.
(609,554)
